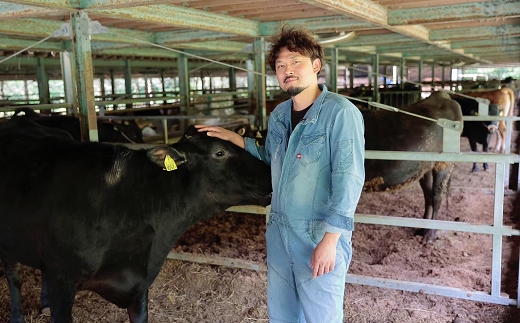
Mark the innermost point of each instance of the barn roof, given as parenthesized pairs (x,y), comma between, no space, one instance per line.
(447,32)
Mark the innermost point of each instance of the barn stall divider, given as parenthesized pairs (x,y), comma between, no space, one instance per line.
(498,230)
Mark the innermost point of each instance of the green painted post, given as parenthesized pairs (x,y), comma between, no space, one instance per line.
(43,82)
(184,86)
(260,83)
(84,72)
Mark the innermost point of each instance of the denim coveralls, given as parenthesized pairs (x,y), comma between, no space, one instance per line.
(317,175)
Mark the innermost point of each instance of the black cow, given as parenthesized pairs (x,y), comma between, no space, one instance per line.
(477,131)
(108,131)
(385,130)
(104,217)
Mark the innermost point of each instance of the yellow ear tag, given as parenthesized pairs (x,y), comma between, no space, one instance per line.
(169,163)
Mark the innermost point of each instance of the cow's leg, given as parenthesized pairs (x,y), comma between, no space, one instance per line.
(61,291)
(473,145)
(485,147)
(433,184)
(138,311)
(426,184)
(12,272)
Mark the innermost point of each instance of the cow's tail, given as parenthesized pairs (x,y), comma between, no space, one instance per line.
(512,102)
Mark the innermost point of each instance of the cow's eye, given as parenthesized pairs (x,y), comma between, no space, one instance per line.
(219,153)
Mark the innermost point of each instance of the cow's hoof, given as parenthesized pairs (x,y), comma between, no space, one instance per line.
(427,234)
(474,170)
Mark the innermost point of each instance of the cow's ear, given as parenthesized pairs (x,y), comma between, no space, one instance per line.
(166,157)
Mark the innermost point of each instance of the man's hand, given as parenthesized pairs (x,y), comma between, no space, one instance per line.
(324,255)
(224,134)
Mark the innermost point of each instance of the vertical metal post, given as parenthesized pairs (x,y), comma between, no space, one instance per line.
(352,75)
(433,76)
(68,83)
(128,82)
(85,78)
(498,220)
(184,85)
(260,90)
(334,70)
(101,107)
(163,85)
(43,82)
(251,86)
(112,83)
(443,77)
(375,63)
(401,73)
(420,73)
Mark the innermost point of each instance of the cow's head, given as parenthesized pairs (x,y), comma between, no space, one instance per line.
(222,172)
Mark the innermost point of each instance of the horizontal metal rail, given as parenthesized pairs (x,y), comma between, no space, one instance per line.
(497,230)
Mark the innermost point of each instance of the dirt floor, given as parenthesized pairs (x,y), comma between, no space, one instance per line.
(192,292)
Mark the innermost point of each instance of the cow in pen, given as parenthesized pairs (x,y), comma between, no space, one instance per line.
(103,217)
(126,131)
(386,130)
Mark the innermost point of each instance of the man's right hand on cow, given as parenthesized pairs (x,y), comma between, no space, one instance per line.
(224,134)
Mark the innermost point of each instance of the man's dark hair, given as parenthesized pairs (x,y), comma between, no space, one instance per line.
(295,40)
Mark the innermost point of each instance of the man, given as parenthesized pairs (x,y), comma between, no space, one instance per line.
(315,146)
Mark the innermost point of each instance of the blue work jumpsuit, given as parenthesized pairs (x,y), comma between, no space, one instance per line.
(317,174)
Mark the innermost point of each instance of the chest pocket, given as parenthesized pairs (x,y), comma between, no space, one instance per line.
(312,146)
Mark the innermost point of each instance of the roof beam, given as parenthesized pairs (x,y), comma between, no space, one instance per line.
(380,40)
(166,37)
(51,4)
(497,49)
(317,25)
(221,46)
(92,4)
(138,52)
(460,12)
(479,32)
(186,18)
(13,11)
(368,11)
(42,28)
(9,43)
(29,27)
(496,42)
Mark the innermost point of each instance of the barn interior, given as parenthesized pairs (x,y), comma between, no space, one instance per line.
(170,63)
(206,58)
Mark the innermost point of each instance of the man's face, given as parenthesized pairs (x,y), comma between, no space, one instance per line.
(296,72)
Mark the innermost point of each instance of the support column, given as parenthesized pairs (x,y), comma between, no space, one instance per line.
(376,77)
(260,84)
(333,70)
(443,78)
(43,82)
(84,72)
(433,76)
(401,73)
(420,73)
(351,75)
(112,83)
(66,62)
(128,82)
(184,85)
